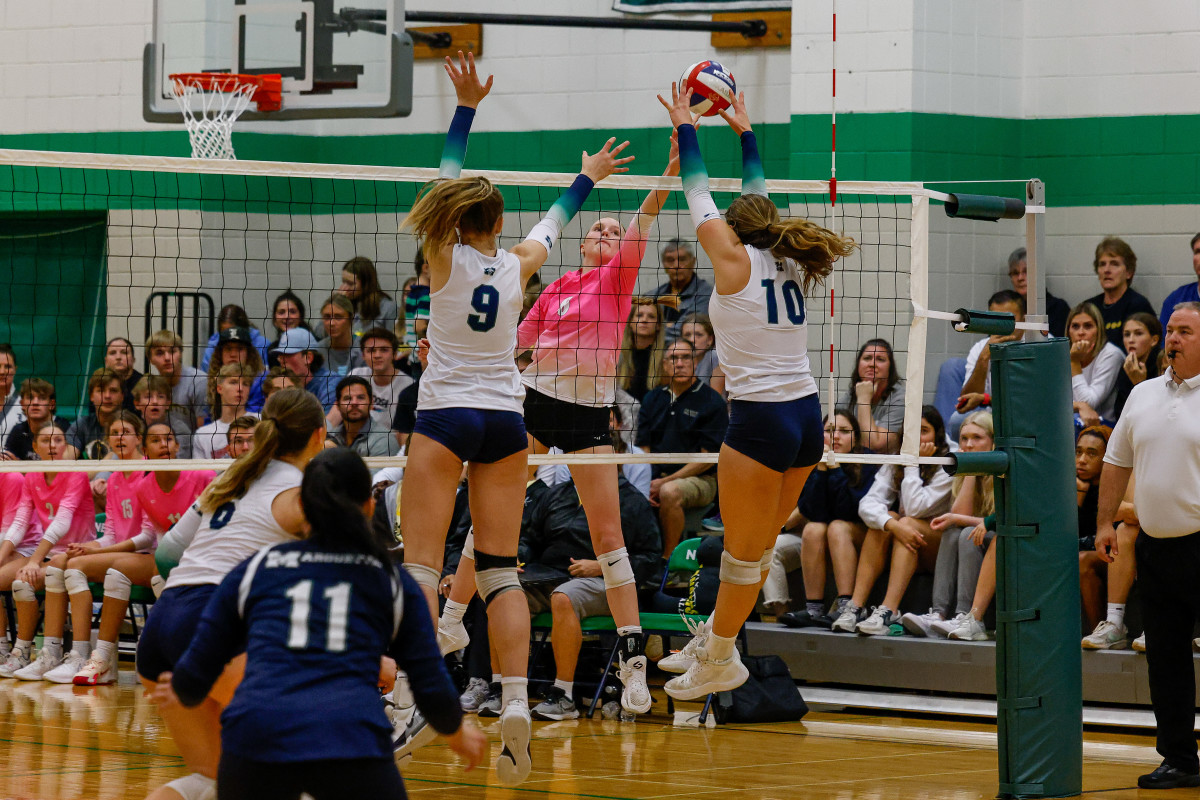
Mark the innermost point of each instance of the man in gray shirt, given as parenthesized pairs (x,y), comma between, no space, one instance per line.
(686,292)
(189,386)
(359,430)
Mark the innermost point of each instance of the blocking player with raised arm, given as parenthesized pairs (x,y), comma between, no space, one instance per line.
(314,618)
(469,408)
(253,504)
(763,266)
(575,329)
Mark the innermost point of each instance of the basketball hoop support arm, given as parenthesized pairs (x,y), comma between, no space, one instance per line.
(750,28)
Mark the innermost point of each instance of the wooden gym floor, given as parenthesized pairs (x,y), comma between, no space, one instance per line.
(66,742)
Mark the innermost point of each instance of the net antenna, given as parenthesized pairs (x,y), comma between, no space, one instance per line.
(211,102)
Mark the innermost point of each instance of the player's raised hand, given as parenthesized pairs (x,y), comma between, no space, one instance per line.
(680,107)
(605,161)
(467,86)
(739,120)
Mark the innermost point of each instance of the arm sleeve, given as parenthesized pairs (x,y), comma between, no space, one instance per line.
(66,514)
(147,537)
(454,151)
(695,177)
(218,638)
(873,508)
(20,523)
(175,541)
(1097,387)
(753,179)
(563,211)
(924,500)
(416,652)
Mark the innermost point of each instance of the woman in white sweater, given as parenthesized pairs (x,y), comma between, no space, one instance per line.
(898,507)
(1095,366)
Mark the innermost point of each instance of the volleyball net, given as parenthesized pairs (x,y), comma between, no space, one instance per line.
(94,247)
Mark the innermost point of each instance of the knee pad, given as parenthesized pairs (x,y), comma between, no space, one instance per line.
(117,584)
(23,592)
(55,580)
(740,573)
(495,575)
(768,556)
(194,787)
(615,567)
(426,577)
(469,545)
(74,580)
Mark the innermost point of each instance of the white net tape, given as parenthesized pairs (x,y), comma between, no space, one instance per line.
(209,115)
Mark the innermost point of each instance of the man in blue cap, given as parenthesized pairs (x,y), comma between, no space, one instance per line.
(298,351)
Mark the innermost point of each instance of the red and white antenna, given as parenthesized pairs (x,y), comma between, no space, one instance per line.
(833,203)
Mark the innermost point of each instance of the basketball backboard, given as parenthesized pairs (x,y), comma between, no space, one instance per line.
(335,62)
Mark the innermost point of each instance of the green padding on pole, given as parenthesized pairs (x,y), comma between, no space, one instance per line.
(989,323)
(1040,747)
(990,462)
(988,208)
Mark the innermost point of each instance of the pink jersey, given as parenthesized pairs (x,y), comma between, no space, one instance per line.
(163,509)
(576,325)
(123,518)
(16,512)
(63,508)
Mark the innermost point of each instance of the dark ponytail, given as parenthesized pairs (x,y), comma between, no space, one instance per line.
(336,485)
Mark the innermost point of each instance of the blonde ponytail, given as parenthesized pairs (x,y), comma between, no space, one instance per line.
(471,205)
(756,221)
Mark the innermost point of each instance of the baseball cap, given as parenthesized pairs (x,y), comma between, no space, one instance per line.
(296,340)
(241,335)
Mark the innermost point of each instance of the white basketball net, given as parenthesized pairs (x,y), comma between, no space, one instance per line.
(209,115)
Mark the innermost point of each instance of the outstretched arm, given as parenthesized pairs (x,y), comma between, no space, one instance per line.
(470,93)
(637,235)
(753,179)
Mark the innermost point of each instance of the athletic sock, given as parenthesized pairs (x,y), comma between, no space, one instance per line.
(514,689)
(52,643)
(454,611)
(82,647)
(719,648)
(568,687)
(104,650)
(815,607)
(24,644)
(1116,614)
(495,677)
(630,641)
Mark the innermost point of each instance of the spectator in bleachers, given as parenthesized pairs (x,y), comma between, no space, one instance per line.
(11,414)
(88,434)
(234,346)
(416,304)
(682,416)
(697,329)
(876,396)
(286,313)
(241,436)
(234,316)
(1095,365)
(1188,293)
(373,307)
(639,367)
(827,518)
(359,430)
(299,351)
(976,394)
(920,494)
(685,292)
(227,395)
(556,548)
(60,506)
(1056,309)
(118,356)
(39,404)
(152,399)
(1143,352)
(379,352)
(189,386)
(339,347)
(959,559)
(1115,264)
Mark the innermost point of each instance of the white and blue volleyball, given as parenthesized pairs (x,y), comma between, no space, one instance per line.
(713,87)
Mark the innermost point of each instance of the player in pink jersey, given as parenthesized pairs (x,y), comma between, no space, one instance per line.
(61,504)
(15,512)
(575,329)
(163,497)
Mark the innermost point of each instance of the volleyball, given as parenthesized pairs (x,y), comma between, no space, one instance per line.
(712,87)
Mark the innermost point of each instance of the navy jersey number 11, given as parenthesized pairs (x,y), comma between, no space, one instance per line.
(793,301)
(337,618)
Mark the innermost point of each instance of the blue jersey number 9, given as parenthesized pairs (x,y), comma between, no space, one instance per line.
(485,300)
(793,301)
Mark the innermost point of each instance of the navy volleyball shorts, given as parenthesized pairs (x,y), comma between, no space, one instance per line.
(777,435)
(475,434)
(169,628)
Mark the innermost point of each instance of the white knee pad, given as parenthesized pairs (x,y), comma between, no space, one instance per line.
(55,581)
(495,575)
(194,787)
(740,573)
(768,556)
(23,592)
(469,545)
(117,584)
(75,581)
(615,567)
(426,577)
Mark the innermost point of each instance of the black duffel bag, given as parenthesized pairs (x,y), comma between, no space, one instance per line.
(768,695)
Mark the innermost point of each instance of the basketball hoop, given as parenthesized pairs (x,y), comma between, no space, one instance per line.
(221,98)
